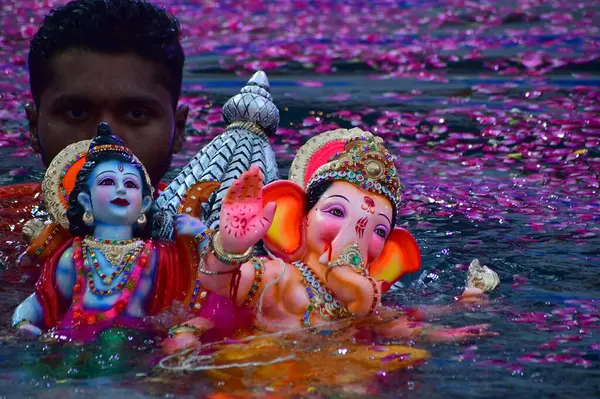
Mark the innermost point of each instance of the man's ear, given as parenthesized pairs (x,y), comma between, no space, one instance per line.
(31,114)
(85,201)
(181,115)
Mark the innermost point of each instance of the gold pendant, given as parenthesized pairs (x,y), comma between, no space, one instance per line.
(113,255)
(107,280)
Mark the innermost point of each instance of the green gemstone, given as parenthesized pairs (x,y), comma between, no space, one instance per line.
(355,259)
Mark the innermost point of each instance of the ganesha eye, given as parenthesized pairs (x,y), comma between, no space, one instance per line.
(106,182)
(131,184)
(380,232)
(336,212)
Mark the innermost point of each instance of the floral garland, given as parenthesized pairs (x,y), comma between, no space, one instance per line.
(80,315)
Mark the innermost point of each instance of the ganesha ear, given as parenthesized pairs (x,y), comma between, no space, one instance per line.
(400,255)
(285,237)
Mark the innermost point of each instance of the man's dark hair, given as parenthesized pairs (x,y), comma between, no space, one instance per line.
(108,26)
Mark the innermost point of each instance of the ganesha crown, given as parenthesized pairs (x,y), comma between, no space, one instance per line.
(366,163)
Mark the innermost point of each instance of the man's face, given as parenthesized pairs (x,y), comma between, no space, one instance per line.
(123,90)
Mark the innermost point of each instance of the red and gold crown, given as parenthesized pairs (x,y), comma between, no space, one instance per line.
(352,155)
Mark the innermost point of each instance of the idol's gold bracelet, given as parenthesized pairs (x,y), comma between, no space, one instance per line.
(228,258)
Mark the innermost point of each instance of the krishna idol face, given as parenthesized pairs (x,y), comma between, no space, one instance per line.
(112,196)
(115,194)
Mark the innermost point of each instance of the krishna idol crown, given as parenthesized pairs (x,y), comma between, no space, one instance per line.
(354,156)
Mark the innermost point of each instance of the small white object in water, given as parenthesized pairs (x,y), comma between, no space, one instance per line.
(482,277)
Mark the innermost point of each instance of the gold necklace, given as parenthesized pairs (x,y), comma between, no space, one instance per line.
(113,251)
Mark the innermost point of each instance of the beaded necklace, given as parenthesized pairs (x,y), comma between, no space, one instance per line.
(259,270)
(128,259)
(125,268)
(320,297)
(91,317)
(364,273)
(198,292)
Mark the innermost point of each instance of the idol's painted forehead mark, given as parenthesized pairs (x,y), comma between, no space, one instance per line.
(368,205)
(361,225)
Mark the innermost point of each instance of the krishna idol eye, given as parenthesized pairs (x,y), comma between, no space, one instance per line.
(106,181)
(131,183)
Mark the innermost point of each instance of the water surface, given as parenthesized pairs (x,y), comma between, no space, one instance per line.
(493,111)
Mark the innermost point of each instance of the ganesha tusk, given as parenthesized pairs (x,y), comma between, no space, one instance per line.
(324,259)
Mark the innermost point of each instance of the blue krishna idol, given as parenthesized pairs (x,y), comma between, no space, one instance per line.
(109,272)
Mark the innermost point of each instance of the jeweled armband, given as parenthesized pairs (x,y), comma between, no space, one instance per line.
(203,235)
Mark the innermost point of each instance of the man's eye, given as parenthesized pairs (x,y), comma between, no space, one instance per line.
(76,113)
(137,114)
(107,182)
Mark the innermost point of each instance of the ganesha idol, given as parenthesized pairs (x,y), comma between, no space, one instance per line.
(107,271)
(334,245)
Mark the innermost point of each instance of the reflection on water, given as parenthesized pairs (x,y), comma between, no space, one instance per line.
(492,110)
